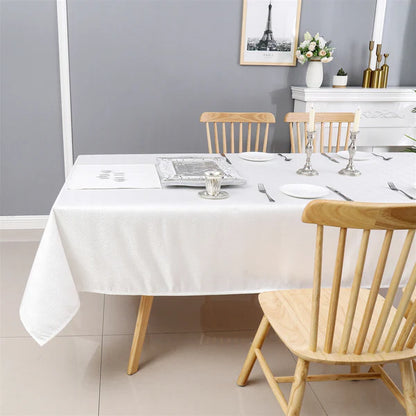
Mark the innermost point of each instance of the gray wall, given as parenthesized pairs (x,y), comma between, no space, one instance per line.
(142,72)
(31,155)
(399,40)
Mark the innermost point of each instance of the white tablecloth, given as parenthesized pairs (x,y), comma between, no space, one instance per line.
(171,242)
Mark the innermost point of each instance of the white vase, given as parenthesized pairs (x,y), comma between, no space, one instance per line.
(314,74)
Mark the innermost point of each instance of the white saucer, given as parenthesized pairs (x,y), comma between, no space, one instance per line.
(304,190)
(221,195)
(358,155)
(257,156)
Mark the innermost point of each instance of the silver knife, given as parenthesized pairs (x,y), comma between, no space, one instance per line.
(330,157)
(226,158)
(339,193)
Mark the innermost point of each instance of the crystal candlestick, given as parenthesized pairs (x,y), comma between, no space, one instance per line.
(352,148)
(307,169)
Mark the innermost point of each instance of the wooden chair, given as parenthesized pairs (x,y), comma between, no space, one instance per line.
(242,134)
(348,326)
(324,133)
(406,314)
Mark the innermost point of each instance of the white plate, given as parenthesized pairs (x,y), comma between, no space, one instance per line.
(358,155)
(304,190)
(257,156)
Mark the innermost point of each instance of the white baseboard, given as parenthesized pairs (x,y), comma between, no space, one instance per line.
(22,228)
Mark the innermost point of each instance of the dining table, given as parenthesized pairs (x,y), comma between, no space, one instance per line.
(160,240)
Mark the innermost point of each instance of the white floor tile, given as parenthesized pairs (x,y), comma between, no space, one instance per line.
(190,374)
(357,398)
(183,314)
(61,378)
(15,263)
(187,368)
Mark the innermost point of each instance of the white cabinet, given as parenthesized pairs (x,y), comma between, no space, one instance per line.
(386,114)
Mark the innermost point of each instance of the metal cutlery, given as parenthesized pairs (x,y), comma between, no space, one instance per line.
(226,158)
(393,187)
(339,193)
(332,159)
(288,159)
(262,189)
(383,157)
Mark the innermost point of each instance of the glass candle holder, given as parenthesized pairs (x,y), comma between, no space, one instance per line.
(213,180)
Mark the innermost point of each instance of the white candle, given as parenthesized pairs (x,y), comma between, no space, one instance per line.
(311,124)
(356,124)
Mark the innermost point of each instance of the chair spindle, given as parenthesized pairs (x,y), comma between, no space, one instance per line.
(355,290)
(375,287)
(400,313)
(336,284)
(232,137)
(316,291)
(395,281)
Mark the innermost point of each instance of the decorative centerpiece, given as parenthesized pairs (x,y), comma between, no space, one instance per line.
(317,51)
(307,170)
(378,77)
(350,170)
(340,79)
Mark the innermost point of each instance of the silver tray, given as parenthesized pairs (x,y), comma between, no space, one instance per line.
(189,171)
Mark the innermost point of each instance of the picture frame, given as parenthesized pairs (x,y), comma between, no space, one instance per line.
(270,32)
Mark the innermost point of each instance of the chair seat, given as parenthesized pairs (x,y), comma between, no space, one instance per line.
(289,313)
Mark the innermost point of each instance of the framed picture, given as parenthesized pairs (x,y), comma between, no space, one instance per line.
(270,30)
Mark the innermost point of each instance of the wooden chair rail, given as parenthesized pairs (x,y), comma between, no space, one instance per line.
(326,122)
(243,131)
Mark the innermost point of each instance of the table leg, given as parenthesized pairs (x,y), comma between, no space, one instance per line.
(139,333)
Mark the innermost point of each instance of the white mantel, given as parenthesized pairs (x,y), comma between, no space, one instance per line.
(387,113)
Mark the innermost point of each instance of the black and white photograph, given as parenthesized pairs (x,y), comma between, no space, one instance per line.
(269,33)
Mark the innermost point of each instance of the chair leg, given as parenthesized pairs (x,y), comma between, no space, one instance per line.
(139,333)
(251,356)
(408,381)
(298,388)
(355,368)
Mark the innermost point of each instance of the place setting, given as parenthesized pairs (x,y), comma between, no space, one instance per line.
(311,191)
(113,176)
(257,156)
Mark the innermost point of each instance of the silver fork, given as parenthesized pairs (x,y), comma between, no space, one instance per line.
(262,189)
(393,187)
(288,159)
(383,157)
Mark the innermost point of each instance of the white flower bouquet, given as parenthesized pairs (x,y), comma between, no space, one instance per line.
(314,48)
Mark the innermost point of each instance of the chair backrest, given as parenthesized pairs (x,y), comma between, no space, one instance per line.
(238,128)
(381,328)
(327,123)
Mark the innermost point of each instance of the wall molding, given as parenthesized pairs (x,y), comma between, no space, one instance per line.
(391,94)
(23,222)
(24,228)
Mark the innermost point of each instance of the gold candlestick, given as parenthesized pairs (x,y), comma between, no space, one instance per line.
(378,69)
(384,72)
(367,72)
(376,74)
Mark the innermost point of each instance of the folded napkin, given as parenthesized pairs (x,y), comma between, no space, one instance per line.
(113,177)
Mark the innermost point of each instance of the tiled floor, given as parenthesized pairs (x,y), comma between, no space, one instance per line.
(191,359)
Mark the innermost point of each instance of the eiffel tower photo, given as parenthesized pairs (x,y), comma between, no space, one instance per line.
(267,42)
